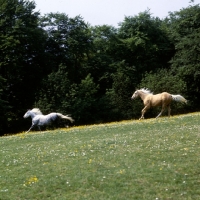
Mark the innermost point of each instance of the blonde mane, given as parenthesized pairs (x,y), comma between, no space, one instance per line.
(36,111)
(146,91)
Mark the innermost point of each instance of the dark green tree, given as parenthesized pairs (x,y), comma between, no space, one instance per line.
(69,43)
(184,31)
(102,55)
(52,96)
(69,47)
(145,43)
(119,96)
(163,80)
(84,101)
(3,106)
(21,47)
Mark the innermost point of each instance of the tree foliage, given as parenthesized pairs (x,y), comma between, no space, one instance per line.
(83,100)
(145,42)
(69,43)
(62,64)
(184,31)
(21,50)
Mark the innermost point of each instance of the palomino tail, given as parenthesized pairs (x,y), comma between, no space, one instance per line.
(65,117)
(179,98)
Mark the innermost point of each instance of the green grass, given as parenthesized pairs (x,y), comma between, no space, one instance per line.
(149,159)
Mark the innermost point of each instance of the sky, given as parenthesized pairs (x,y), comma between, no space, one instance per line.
(110,12)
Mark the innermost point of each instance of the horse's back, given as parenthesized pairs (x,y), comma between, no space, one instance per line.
(166,96)
(159,99)
(51,116)
(44,119)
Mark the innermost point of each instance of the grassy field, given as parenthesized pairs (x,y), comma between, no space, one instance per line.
(150,159)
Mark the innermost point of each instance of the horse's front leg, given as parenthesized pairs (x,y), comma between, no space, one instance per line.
(142,116)
(144,111)
(30,128)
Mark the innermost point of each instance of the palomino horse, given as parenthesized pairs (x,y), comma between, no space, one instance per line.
(163,99)
(38,119)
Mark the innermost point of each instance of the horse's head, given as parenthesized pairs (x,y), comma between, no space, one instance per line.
(27,114)
(135,95)
(32,113)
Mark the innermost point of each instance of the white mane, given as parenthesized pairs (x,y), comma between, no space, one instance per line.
(146,91)
(36,111)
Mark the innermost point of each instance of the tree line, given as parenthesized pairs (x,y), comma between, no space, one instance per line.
(63,64)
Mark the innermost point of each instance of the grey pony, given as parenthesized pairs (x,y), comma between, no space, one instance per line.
(38,119)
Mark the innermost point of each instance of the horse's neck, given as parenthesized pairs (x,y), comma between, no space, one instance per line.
(32,115)
(142,95)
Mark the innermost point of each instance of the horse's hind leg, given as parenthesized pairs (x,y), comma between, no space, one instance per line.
(169,110)
(159,114)
(163,108)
